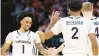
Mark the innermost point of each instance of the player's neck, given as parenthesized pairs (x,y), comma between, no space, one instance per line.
(88,14)
(22,29)
(75,14)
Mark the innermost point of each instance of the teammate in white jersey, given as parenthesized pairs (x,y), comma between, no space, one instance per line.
(96,23)
(75,30)
(87,11)
(23,39)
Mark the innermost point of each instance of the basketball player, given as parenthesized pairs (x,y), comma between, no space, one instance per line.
(75,30)
(23,39)
(87,11)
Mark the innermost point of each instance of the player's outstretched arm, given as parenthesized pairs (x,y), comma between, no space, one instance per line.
(42,49)
(5,48)
(94,44)
(45,36)
(54,18)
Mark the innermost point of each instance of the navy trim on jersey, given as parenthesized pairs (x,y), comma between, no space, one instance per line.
(28,32)
(72,17)
(78,17)
(18,32)
(94,18)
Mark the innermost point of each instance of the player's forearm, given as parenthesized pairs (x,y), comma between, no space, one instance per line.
(94,47)
(95,50)
(4,48)
(94,43)
(60,48)
(44,51)
(41,49)
(51,24)
(3,52)
(54,18)
(49,34)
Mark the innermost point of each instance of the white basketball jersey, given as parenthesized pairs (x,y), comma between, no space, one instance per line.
(75,32)
(22,42)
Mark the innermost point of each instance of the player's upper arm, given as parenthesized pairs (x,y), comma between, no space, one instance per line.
(36,38)
(9,38)
(4,48)
(49,34)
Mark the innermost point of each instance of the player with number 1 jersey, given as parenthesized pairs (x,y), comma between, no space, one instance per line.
(22,42)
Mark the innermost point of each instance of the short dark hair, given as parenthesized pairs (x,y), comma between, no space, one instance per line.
(25,14)
(75,5)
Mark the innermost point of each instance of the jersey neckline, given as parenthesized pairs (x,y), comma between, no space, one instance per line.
(18,31)
(73,17)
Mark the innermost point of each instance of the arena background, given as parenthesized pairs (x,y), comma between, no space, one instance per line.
(42,10)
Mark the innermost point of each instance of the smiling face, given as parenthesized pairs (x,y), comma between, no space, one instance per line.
(26,23)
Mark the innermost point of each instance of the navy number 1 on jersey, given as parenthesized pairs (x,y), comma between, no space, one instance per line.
(23,49)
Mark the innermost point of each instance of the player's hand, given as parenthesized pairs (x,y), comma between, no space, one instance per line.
(55,17)
(41,35)
(53,51)
(4,54)
(49,51)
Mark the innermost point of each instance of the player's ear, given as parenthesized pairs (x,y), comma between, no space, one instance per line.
(21,21)
(82,9)
(69,11)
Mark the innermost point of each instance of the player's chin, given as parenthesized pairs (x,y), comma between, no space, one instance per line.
(26,29)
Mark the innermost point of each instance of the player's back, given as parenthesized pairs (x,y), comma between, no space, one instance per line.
(22,43)
(75,31)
